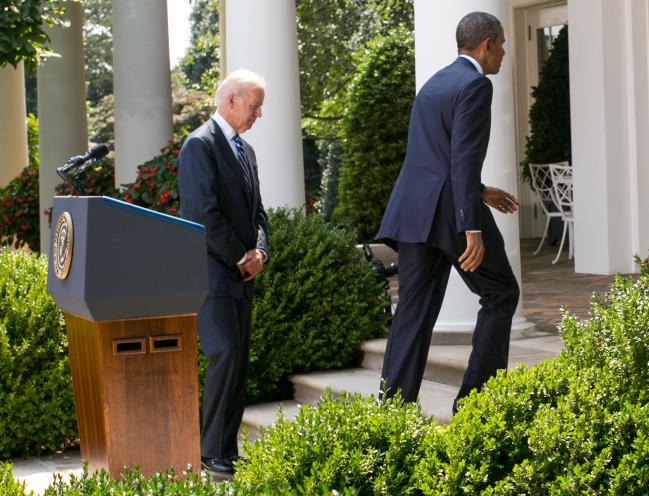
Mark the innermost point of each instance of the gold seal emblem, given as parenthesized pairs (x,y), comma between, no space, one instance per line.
(62,246)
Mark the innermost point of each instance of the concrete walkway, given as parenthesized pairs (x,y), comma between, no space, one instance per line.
(546,288)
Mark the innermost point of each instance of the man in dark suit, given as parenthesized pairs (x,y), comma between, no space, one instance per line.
(219,188)
(437,217)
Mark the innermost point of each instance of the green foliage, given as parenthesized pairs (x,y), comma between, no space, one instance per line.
(19,199)
(97,179)
(329,34)
(98,49)
(101,120)
(549,139)
(329,159)
(22,35)
(201,62)
(8,486)
(36,408)
(190,109)
(315,301)
(375,131)
(577,424)
(369,445)
(19,210)
(156,184)
(133,483)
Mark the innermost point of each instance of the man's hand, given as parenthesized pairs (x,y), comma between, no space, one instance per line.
(500,200)
(471,259)
(252,265)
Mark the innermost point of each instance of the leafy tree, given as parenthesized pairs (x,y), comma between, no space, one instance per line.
(22,35)
(549,139)
(329,34)
(201,62)
(374,130)
(98,49)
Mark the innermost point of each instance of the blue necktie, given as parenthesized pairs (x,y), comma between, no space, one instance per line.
(243,160)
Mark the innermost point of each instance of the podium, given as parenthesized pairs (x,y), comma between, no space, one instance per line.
(130,282)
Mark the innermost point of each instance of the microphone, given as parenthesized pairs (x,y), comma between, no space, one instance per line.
(95,153)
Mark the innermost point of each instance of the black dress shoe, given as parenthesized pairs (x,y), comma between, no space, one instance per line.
(218,465)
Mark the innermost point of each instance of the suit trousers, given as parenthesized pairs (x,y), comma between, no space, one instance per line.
(224,332)
(423,276)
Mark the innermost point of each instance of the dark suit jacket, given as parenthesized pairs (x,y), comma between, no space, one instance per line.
(213,192)
(447,143)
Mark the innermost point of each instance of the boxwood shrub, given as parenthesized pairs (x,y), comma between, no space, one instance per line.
(36,407)
(577,424)
(315,301)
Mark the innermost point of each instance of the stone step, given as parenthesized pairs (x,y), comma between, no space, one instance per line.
(442,378)
(436,399)
(263,415)
(446,363)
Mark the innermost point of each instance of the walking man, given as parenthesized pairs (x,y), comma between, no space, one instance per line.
(438,217)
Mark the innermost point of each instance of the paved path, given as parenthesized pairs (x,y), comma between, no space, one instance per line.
(546,288)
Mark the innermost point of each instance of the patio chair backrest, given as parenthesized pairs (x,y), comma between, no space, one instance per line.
(542,184)
(562,186)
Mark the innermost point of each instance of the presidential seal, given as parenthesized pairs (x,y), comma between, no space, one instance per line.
(62,246)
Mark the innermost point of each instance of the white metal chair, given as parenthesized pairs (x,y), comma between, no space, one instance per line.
(562,191)
(542,187)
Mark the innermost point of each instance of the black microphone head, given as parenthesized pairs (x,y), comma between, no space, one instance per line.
(99,151)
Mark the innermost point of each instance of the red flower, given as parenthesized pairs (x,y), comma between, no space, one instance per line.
(172,210)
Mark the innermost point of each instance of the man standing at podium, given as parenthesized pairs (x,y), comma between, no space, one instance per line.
(219,188)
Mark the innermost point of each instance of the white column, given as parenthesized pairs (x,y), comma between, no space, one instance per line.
(61,107)
(142,84)
(608,113)
(262,37)
(435,48)
(13,126)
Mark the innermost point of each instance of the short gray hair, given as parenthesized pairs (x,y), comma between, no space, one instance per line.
(238,82)
(473,28)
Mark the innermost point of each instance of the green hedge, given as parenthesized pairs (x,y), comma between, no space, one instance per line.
(36,407)
(375,131)
(315,301)
(578,424)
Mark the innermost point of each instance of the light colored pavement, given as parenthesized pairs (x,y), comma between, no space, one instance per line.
(546,288)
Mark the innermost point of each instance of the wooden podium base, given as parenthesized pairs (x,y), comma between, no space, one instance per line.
(136,392)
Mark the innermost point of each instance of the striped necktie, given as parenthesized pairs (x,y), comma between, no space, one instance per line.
(243,160)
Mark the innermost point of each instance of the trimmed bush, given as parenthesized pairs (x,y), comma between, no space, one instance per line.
(349,442)
(577,424)
(315,301)
(36,406)
(375,131)
(8,486)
